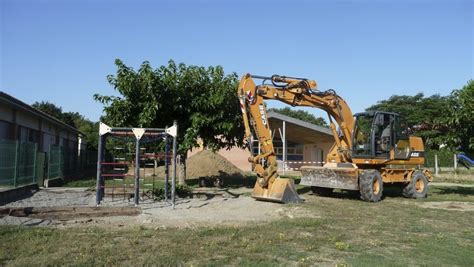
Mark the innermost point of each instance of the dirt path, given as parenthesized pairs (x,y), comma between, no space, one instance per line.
(214,207)
(448,205)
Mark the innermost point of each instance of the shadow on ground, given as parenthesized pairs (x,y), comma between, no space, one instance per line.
(459,190)
(235,180)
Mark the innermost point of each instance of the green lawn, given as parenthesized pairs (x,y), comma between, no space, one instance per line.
(90,181)
(339,230)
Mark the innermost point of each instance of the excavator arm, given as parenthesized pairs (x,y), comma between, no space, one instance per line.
(295,92)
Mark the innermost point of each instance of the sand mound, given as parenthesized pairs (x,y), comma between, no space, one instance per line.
(209,164)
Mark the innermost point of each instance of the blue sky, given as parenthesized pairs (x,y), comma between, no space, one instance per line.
(61,51)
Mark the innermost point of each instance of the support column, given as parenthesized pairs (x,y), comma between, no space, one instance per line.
(98,195)
(137,172)
(173,182)
(284,147)
(167,162)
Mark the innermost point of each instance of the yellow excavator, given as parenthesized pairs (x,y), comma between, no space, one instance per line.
(370,148)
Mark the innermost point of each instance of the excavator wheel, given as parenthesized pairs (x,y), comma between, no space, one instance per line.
(370,186)
(321,191)
(418,187)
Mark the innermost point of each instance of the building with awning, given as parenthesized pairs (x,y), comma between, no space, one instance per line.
(36,148)
(296,143)
(22,122)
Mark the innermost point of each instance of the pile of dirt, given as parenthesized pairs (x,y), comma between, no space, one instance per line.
(209,164)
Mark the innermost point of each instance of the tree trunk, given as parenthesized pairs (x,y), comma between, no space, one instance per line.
(181,166)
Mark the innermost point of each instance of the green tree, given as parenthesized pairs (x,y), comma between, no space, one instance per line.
(418,114)
(50,109)
(458,119)
(300,115)
(202,100)
(73,119)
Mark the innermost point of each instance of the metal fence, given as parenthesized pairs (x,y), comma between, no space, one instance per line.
(17,163)
(55,162)
(22,163)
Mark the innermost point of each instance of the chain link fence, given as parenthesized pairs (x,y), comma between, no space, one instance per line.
(445,163)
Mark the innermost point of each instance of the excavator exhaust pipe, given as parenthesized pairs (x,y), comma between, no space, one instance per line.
(281,190)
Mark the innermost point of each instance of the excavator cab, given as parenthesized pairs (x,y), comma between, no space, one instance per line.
(375,134)
(378,135)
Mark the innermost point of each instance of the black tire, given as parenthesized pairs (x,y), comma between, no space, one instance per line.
(321,191)
(370,186)
(418,186)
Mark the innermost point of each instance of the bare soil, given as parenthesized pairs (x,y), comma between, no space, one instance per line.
(52,206)
(449,205)
(64,207)
(209,164)
(203,164)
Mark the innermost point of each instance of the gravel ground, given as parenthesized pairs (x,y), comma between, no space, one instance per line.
(56,197)
(218,209)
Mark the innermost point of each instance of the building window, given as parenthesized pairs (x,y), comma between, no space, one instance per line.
(294,151)
(28,135)
(48,140)
(6,130)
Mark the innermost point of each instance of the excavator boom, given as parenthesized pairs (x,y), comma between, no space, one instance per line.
(296,92)
(269,186)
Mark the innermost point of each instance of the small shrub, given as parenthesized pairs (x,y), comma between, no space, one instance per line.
(341,245)
(181,191)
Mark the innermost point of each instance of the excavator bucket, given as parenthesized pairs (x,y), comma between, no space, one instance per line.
(282,190)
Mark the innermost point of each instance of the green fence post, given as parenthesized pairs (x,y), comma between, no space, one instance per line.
(49,163)
(16,163)
(34,162)
(61,163)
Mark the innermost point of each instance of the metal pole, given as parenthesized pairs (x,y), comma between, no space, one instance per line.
(436,164)
(455,162)
(167,162)
(155,165)
(99,170)
(455,165)
(173,181)
(137,172)
(284,147)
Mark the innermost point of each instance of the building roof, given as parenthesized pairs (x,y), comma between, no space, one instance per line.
(311,126)
(28,108)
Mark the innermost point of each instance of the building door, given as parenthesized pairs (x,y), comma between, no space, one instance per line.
(317,154)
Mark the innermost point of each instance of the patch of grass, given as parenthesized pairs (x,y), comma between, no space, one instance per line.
(460,176)
(90,181)
(335,231)
(86,182)
(340,230)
